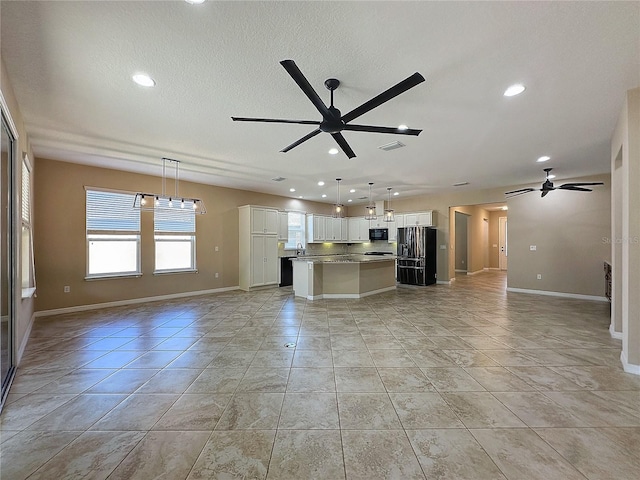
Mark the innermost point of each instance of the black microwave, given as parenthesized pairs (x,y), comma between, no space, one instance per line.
(378,234)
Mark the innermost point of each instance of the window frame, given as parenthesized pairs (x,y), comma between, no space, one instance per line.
(176,235)
(106,232)
(26,221)
(303,229)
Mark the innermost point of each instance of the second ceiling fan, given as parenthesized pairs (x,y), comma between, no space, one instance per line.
(333,122)
(547,186)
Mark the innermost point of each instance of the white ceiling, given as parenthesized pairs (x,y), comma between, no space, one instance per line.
(70,64)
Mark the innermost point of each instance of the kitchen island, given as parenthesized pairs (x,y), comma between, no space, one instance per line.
(342,276)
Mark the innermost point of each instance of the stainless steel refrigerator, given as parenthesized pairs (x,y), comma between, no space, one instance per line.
(417,255)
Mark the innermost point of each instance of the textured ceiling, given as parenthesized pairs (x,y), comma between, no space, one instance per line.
(70,64)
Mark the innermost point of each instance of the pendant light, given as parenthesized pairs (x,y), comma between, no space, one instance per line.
(338,208)
(164,201)
(370,213)
(388,212)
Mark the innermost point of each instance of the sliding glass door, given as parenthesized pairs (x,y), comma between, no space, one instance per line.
(7,365)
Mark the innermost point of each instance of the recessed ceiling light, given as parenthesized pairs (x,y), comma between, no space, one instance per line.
(349,200)
(395,194)
(194,2)
(353,190)
(292,190)
(551,176)
(543,158)
(324,195)
(144,80)
(333,151)
(513,90)
(300,196)
(321,183)
(403,127)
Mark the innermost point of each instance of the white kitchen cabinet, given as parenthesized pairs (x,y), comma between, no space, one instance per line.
(344,230)
(264,220)
(333,229)
(316,228)
(358,230)
(258,252)
(394,226)
(283,226)
(423,219)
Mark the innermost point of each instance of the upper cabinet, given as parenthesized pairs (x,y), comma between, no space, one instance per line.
(264,220)
(423,219)
(316,228)
(358,229)
(283,227)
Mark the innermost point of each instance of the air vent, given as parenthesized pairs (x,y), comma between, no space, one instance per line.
(278,179)
(391,146)
(363,198)
(460,184)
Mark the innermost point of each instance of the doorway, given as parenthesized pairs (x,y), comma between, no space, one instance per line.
(502,240)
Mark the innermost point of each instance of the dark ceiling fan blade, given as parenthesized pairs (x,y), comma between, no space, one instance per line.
(302,140)
(370,128)
(580,184)
(274,120)
(545,192)
(385,96)
(293,70)
(519,193)
(522,190)
(343,144)
(574,188)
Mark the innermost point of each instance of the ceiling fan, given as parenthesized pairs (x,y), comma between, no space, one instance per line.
(333,122)
(547,186)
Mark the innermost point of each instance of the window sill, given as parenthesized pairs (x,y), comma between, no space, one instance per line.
(112,277)
(28,292)
(173,272)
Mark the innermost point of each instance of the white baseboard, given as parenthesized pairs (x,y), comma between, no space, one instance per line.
(460,271)
(25,339)
(577,296)
(132,301)
(349,295)
(444,282)
(614,334)
(476,272)
(629,367)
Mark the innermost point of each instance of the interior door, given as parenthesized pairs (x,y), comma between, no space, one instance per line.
(502,241)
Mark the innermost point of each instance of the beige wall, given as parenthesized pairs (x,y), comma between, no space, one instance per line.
(24,308)
(60,245)
(569,230)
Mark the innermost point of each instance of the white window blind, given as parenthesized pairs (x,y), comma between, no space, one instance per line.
(111,212)
(26,193)
(181,218)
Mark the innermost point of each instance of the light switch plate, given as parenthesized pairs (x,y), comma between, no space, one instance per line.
(532,248)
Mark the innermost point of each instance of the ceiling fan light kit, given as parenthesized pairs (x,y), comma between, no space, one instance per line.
(333,122)
(548,186)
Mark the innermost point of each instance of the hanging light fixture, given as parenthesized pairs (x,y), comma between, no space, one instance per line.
(152,201)
(388,212)
(338,208)
(370,210)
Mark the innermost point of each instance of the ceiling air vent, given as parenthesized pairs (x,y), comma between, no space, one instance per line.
(278,179)
(391,146)
(460,184)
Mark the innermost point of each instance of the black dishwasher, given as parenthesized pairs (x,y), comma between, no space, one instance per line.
(286,272)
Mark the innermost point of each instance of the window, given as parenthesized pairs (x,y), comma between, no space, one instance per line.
(26,245)
(175,236)
(113,234)
(296,230)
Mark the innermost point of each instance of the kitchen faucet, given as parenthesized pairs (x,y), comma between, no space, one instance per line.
(299,249)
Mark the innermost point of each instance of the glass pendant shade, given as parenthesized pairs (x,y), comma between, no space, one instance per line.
(370,210)
(389,215)
(338,208)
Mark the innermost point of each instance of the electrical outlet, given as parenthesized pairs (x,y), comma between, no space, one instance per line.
(539,276)
(532,248)
(216,275)
(67,289)
(215,248)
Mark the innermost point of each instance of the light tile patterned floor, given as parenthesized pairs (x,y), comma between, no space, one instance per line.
(441,382)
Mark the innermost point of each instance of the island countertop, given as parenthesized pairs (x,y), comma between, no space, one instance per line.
(349,258)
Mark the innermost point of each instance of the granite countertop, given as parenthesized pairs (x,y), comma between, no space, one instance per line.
(350,258)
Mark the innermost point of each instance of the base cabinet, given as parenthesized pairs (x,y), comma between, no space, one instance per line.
(258,252)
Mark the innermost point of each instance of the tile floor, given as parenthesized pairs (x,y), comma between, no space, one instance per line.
(443,382)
